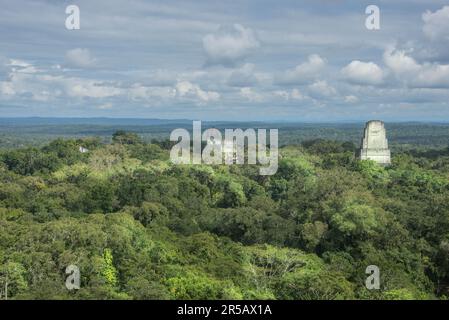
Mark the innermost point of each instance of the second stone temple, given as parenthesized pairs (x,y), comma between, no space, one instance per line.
(375,144)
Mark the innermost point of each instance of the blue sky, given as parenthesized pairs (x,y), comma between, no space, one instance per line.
(226,60)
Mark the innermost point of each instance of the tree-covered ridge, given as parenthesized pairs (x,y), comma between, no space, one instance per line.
(22,132)
(139,227)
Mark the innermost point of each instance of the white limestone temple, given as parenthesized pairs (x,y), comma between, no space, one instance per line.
(374,144)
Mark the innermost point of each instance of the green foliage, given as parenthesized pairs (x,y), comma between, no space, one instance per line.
(150,212)
(228,193)
(139,227)
(108,271)
(194,286)
(355,220)
(399,294)
(12,279)
(124,137)
(375,173)
(297,167)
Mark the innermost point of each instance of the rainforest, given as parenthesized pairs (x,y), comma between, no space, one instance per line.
(140,227)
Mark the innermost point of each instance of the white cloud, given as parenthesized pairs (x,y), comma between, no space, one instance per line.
(139,92)
(182,90)
(322,89)
(243,77)
(190,90)
(414,74)
(432,76)
(294,94)
(399,62)
(359,72)
(30,69)
(158,78)
(79,57)
(90,89)
(21,81)
(303,72)
(436,24)
(18,63)
(284,94)
(251,95)
(22,66)
(105,106)
(44,87)
(7,88)
(229,45)
(351,99)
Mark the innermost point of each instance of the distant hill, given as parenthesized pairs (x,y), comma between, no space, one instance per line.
(37,131)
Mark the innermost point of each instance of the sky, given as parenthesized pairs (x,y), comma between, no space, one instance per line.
(226,60)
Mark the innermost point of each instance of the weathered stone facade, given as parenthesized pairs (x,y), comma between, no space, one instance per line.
(375,144)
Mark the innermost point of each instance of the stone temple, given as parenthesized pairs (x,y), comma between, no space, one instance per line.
(375,144)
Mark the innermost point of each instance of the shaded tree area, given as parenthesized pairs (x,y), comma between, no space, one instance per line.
(139,227)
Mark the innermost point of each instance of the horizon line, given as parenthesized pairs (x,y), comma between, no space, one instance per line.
(224,120)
